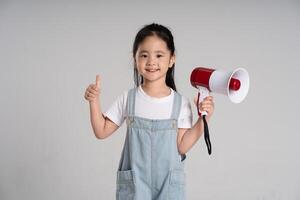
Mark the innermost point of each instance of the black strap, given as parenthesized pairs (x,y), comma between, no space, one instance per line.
(206,135)
(206,131)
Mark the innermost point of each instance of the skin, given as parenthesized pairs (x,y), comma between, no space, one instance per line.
(152,61)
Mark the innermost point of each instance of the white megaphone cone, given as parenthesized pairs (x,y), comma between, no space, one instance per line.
(234,84)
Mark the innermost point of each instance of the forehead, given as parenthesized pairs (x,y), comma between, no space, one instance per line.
(153,43)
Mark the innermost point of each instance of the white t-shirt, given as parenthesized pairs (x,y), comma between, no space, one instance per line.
(150,108)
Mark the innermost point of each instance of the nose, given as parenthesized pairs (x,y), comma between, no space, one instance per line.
(151,61)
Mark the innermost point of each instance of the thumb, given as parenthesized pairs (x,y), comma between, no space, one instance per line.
(98,81)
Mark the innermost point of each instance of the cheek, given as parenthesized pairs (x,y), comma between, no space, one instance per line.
(139,67)
(138,64)
(141,64)
(166,62)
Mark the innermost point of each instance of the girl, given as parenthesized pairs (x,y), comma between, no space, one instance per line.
(159,122)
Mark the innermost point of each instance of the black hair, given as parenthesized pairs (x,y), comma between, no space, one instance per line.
(163,33)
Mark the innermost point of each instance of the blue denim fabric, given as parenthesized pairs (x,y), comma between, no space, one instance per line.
(151,167)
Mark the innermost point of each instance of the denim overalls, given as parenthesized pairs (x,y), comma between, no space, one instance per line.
(151,167)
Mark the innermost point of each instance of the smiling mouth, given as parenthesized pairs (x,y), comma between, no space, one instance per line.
(152,70)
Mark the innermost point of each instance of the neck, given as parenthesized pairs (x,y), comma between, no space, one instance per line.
(156,89)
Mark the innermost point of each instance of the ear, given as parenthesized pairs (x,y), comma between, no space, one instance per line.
(172,61)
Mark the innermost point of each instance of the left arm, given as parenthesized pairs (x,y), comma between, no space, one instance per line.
(186,138)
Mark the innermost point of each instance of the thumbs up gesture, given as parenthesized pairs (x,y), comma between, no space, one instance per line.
(92,91)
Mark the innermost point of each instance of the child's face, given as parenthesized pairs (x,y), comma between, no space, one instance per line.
(153,59)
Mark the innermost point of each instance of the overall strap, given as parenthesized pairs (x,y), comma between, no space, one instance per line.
(131,101)
(176,106)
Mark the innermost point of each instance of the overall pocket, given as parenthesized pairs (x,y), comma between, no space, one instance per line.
(177,185)
(125,185)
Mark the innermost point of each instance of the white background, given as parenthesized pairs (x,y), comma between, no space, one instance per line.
(51,51)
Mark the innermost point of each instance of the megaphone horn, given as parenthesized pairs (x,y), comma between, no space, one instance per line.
(234,84)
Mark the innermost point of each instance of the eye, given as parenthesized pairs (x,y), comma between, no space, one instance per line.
(159,55)
(143,55)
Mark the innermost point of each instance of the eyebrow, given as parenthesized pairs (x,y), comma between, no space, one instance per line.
(144,51)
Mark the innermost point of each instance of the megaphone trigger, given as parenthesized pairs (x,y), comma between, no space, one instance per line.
(203,92)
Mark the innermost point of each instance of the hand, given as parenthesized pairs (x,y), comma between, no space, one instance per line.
(206,105)
(93,90)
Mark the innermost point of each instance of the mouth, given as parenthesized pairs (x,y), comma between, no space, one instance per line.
(152,70)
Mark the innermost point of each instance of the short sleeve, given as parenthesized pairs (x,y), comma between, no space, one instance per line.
(117,111)
(185,118)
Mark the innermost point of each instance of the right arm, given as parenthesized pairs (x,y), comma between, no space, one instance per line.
(102,126)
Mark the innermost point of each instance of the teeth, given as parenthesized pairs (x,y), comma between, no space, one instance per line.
(151,70)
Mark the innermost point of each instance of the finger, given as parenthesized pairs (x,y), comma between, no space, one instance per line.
(89,92)
(95,88)
(90,99)
(90,87)
(210,98)
(206,107)
(207,103)
(86,96)
(206,99)
(97,80)
(209,107)
(93,91)
(90,95)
